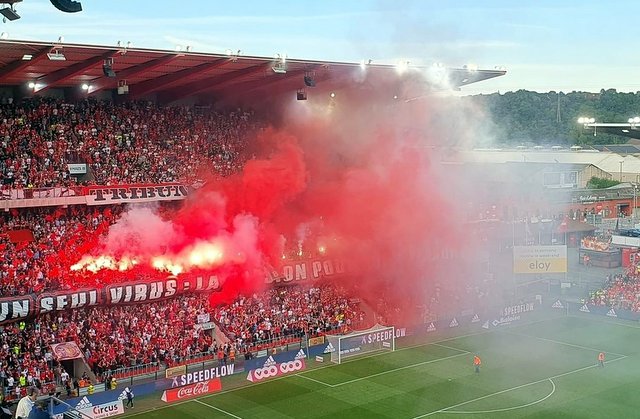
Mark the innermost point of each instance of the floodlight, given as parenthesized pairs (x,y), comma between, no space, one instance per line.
(4,35)
(279,68)
(56,56)
(586,120)
(402,66)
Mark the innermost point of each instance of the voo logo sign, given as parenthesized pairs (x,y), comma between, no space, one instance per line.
(276,370)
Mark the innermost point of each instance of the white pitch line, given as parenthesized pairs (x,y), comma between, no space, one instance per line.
(314,380)
(398,369)
(450,347)
(216,408)
(559,342)
(506,409)
(598,319)
(444,410)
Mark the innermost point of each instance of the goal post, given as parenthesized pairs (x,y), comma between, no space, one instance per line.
(377,338)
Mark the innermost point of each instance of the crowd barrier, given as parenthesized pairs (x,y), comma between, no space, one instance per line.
(597,310)
(133,371)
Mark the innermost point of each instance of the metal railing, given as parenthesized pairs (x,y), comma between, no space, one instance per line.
(126,372)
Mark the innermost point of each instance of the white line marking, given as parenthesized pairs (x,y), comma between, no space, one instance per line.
(598,319)
(559,342)
(314,380)
(506,409)
(398,369)
(216,408)
(450,347)
(443,410)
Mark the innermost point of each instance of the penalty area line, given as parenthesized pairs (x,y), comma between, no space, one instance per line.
(398,369)
(314,380)
(559,342)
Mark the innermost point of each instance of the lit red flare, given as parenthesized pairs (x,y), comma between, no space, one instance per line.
(202,255)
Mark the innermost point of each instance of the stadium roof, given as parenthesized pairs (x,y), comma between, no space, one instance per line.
(630,129)
(608,162)
(173,75)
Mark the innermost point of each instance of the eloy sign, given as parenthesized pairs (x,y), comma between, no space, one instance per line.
(539,259)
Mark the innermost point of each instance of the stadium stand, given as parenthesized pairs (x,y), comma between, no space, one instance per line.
(137,142)
(133,143)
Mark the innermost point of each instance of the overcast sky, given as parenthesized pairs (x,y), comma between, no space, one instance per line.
(544,45)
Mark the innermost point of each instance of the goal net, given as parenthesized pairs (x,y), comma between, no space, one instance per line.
(377,338)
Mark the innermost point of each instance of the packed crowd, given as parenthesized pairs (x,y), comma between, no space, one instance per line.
(137,142)
(110,338)
(54,239)
(165,332)
(279,314)
(621,291)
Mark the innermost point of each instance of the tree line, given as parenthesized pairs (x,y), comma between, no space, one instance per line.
(531,118)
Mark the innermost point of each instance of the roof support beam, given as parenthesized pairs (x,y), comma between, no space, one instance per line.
(60,76)
(19,65)
(272,79)
(200,86)
(151,85)
(105,82)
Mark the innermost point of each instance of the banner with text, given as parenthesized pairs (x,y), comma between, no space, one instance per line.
(539,259)
(77,168)
(125,194)
(305,270)
(135,292)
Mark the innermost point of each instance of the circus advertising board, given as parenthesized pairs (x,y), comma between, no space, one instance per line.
(133,292)
(106,410)
(306,270)
(276,370)
(539,259)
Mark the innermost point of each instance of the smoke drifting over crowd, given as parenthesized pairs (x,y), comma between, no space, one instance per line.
(357,179)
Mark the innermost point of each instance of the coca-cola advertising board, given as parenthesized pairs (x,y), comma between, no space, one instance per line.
(194,390)
(276,370)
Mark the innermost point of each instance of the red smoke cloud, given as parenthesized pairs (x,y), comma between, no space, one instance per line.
(364,182)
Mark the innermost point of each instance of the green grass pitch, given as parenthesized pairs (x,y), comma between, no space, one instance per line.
(546,369)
